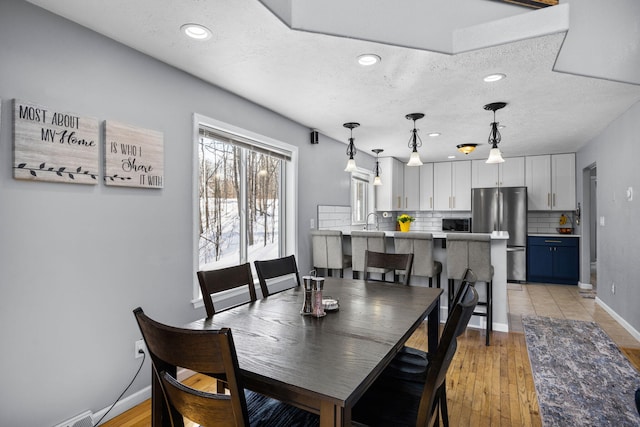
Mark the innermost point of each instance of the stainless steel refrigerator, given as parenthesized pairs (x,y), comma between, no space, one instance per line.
(504,209)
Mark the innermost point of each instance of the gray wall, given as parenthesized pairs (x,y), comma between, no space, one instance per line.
(614,153)
(76,259)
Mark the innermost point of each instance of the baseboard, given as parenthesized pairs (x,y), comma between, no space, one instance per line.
(134,400)
(634,332)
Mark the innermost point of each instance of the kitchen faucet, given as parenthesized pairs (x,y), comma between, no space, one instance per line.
(366,224)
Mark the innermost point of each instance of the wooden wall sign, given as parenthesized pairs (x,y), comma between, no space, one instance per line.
(134,157)
(54,146)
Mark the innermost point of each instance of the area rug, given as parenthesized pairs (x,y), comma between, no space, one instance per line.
(581,377)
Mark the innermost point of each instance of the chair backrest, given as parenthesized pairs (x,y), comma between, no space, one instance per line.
(469,279)
(441,360)
(421,246)
(472,251)
(327,249)
(214,281)
(209,352)
(362,241)
(279,267)
(383,260)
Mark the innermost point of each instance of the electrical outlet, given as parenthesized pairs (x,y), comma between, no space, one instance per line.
(613,288)
(139,345)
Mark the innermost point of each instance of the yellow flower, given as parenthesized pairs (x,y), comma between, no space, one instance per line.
(406,218)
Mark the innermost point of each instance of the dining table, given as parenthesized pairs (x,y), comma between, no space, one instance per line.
(324,364)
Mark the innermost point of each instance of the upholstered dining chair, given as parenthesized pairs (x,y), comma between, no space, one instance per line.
(411,403)
(466,250)
(421,246)
(376,261)
(276,268)
(215,281)
(362,241)
(213,353)
(327,251)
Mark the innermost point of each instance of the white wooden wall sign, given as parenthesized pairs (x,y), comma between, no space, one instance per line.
(134,157)
(55,146)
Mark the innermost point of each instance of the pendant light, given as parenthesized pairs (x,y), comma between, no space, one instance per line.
(466,148)
(377,170)
(414,141)
(351,148)
(495,156)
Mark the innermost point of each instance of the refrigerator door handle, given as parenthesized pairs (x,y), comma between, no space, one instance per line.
(516,248)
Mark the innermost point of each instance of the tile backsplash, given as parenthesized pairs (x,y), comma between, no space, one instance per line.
(332,217)
(548,221)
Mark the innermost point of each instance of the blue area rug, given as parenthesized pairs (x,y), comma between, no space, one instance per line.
(581,377)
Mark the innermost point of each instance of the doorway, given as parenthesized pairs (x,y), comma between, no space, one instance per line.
(593,226)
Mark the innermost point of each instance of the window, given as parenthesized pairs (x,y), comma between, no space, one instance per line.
(242,184)
(361,197)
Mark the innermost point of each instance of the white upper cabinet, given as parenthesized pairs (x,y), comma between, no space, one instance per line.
(452,186)
(411,188)
(390,195)
(426,187)
(507,174)
(551,182)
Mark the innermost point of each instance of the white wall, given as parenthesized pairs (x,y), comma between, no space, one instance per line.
(614,153)
(75,260)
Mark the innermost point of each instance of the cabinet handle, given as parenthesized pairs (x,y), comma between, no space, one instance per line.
(554,199)
(553,241)
(549,199)
(431,202)
(399,202)
(454,202)
(406,202)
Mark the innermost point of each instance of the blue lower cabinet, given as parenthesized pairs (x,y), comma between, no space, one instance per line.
(553,260)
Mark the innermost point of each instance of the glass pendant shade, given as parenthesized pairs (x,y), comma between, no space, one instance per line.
(414,160)
(495,156)
(351,166)
(376,170)
(466,148)
(377,181)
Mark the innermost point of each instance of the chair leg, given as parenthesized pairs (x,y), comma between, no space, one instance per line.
(450,297)
(354,274)
(341,273)
(443,404)
(489,310)
(431,282)
(438,281)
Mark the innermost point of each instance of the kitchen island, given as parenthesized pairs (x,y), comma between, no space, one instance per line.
(498,260)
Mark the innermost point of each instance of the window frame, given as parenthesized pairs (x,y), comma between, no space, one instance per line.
(289,182)
(366,176)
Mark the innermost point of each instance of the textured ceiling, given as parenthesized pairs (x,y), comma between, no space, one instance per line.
(315,80)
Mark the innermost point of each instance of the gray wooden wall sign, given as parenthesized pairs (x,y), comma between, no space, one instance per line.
(134,157)
(54,146)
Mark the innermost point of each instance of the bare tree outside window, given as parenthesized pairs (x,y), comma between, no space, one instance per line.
(221,189)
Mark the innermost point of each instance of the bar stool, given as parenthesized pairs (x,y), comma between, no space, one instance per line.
(471,251)
(421,246)
(362,241)
(327,251)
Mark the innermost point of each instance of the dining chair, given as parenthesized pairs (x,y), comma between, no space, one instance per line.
(276,268)
(327,251)
(374,261)
(215,281)
(209,352)
(421,246)
(418,403)
(362,241)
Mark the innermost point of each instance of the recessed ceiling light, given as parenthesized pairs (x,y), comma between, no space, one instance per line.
(451,157)
(494,77)
(434,134)
(196,31)
(368,59)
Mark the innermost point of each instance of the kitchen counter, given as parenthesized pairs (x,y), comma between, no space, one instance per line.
(498,260)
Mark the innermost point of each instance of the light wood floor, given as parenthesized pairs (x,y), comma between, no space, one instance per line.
(487,386)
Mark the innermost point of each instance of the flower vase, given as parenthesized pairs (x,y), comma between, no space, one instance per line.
(405,226)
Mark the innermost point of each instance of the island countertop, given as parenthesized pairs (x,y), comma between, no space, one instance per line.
(496,235)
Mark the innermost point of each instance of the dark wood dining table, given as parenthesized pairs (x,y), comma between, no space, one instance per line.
(325,364)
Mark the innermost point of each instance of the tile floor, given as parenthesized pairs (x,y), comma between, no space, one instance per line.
(564,302)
